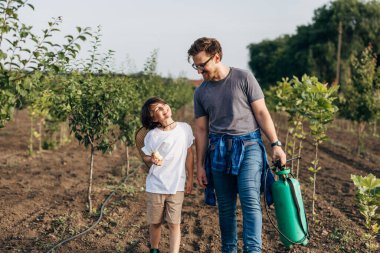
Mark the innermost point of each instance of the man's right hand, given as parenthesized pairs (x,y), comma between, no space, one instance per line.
(279,154)
(201,177)
(201,142)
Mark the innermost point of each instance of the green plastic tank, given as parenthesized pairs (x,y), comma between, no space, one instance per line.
(290,212)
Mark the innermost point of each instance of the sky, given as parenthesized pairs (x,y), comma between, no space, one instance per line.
(135,28)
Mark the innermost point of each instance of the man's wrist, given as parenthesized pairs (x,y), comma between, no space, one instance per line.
(276,143)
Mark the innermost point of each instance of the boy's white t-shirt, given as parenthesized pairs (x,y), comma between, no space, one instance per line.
(172,145)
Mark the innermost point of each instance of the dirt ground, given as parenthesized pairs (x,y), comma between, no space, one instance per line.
(43,198)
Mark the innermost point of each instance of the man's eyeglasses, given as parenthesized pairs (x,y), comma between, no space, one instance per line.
(201,66)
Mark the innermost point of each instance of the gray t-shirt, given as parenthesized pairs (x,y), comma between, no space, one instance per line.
(227,103)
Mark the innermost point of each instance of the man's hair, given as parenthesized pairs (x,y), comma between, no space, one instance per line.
(210,45)
(146,115)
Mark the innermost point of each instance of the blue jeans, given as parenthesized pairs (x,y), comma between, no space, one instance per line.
(247,184)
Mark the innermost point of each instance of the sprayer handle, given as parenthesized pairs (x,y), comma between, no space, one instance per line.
(277,165)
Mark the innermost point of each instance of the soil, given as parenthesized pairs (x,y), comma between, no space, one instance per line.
(43,198)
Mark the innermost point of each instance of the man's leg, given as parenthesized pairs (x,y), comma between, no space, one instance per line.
(225,188)
(249,181)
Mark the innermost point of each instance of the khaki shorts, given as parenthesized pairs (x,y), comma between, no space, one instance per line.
(160,206)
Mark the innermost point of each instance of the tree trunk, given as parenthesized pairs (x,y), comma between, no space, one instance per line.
(337,77)
(16,118)
(60,134)
(40,124)
(298,160)
(63,133)
(31,136)
(127,156)
(375,128)
(360,129)
(293,151)
(90,179)
(286,141)
(277,130)
(315,177)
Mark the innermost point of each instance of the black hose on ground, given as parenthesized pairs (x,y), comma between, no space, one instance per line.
(94,224)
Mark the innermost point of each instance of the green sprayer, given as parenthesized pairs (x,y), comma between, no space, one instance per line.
(290,213)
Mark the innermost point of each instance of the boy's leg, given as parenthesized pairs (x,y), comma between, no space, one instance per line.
(173,209)
(155,235)
(174,237)
(155,211)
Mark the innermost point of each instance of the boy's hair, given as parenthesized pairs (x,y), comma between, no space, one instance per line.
(210,45)
(146,117)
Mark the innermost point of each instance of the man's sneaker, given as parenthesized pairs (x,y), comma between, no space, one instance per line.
(154,251)
(210,198)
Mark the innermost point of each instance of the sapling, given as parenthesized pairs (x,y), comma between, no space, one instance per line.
(368,199)
(289,96)
(319,111)
(23,54)
(360,101)
(94,104)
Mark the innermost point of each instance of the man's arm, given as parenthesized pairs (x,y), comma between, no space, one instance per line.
(201,142)
(190,170)
(265,122)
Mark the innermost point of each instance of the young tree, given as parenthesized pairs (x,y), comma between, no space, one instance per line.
(289,96)
(13,35)
(23,53)
(368,199)
(360,101)
(319,111)
(94,105)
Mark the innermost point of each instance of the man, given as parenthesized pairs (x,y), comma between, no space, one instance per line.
(230,111)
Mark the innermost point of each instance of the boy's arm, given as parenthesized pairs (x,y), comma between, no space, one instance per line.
(190,169)
(148,160)
(155,158)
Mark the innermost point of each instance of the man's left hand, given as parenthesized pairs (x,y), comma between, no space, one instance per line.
(278,154)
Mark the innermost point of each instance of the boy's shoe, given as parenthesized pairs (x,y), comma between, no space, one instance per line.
(154,251)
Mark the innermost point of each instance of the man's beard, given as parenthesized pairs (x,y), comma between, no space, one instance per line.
(207,76)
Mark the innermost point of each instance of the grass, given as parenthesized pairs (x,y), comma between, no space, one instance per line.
(342,238)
